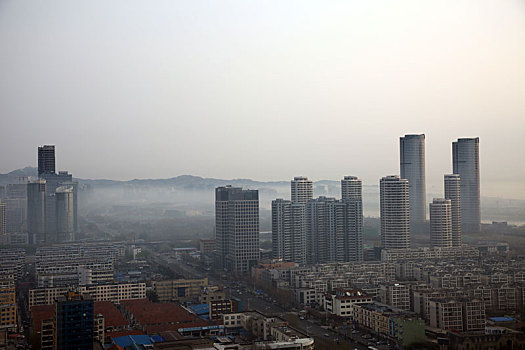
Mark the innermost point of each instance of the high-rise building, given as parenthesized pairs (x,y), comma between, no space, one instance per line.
(65,214)
(453,192)
(320,242)
(46,160)
(288,231)
(53,181)
(441,223)
(351,194)
(465,163)
(74,322)
(237,228)
(351,188)
(412,167)
(333,230)
(36,211)
(16,205)
(302,189)
(394,211)
(3,219)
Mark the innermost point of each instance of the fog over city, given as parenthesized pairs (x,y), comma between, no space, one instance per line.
(296,175)
(265,91)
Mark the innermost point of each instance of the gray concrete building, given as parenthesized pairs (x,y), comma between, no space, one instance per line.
(412,168)
(302,189)
(465,163)
(36,211)
(351,194)
(3,220)
(453,192)
(288,231)
(237,228)
(394,211)
(65,214)
(334,230)
(441,223)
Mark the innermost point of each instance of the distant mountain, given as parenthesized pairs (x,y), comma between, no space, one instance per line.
(13,176)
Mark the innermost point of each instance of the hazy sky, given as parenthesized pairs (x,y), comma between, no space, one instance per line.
(263,89)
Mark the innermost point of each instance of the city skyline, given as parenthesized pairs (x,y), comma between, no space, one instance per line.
(320,79)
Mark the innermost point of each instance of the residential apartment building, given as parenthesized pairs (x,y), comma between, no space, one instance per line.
(441,223)
(301,189)
(394,211)
(237,228)
(453,192)
(8,312)
(102,292)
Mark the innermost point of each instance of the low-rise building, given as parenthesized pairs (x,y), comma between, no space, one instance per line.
(401,326)
(460,315)
(340,301)
(110,292)
(180,289)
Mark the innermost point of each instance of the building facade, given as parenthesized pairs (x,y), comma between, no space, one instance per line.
(36,211)
(46,159)
(65,214)
(288,231)
(441,223)
(394,211)
(465,163)
(453,192)
(237,228)
(302,189)
(412,168)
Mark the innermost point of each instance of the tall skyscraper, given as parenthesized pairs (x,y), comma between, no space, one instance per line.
(302,189)
(441,223)
(288,231)
(465,163)
(351,194)
(65,214)
(46,160)
(453,192)
(36,211)
(237,228)
(394,210)
(412,167)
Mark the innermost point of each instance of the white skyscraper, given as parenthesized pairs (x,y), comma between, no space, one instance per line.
(412,168)
(302,189)
(394,209)
(237,228)
(441,223)
(465,163)
(453,192)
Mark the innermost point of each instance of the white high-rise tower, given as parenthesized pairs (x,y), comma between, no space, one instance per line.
(441,223)
(394,208)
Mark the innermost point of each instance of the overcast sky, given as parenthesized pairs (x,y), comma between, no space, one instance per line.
(263,89)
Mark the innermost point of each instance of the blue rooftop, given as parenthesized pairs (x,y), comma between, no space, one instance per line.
(129,340)
(502,319)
